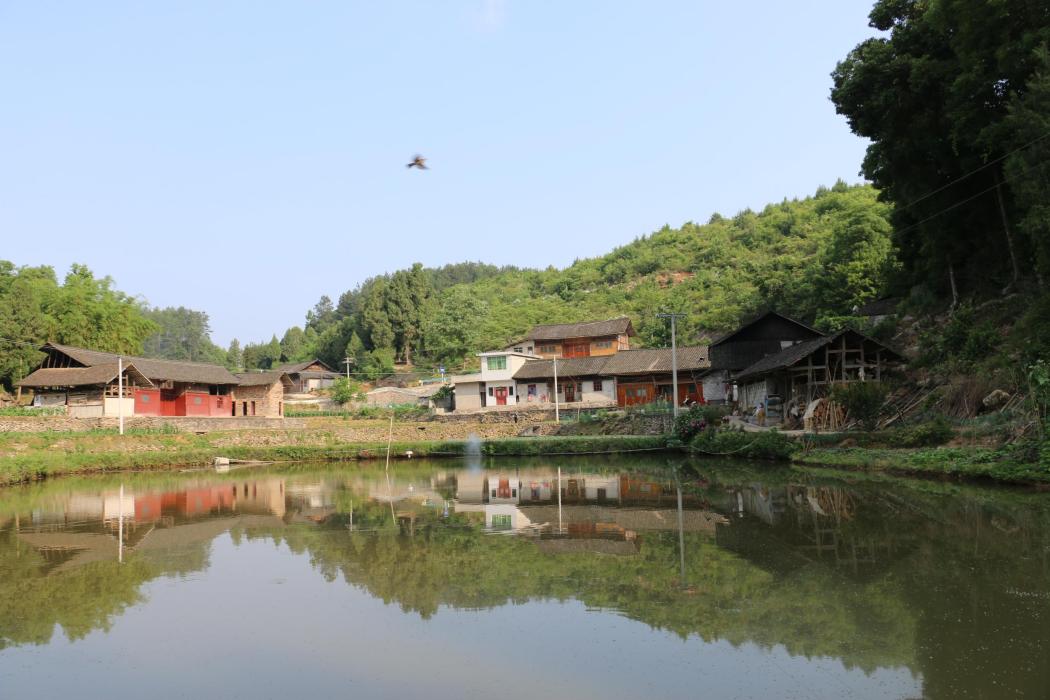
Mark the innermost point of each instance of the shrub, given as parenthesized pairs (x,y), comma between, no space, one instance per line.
(862,400)
(737,443)
(343,390)
(929,434)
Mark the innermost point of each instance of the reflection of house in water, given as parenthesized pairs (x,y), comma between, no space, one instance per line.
(784,528)
(85,528)
(541,486)
(600,513)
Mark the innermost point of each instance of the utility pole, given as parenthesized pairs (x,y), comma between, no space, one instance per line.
(348,362)
(674,358)
(557,416)
(120,394)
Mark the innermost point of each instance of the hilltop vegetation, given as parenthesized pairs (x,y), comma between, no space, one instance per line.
(815,258)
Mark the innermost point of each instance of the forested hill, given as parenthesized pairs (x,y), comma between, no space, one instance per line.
(814,258)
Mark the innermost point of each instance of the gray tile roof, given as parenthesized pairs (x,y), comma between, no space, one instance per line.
(750,322)
(156,370)
(586,329)
(82,376)
(300,367)
(649,360)
(625,362)
(793,354)
(262,378)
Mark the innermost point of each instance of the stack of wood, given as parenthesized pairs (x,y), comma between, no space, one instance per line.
(824,415)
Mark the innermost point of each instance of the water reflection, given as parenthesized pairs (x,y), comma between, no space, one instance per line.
(932,590)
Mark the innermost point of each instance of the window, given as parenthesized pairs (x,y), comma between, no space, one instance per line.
(597,384)
(490,391)
(501,521)
(603,344)
(519,349)
(510,391)
(499,362)
(532,390)
(548,349)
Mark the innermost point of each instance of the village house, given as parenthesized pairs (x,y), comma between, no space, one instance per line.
(805,371)
(261,393)
(736,351)
(85,382)
(308,376)
(569,340)
(494,385)
(626,378)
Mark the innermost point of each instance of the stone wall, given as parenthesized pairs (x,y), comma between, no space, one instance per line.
(39,424)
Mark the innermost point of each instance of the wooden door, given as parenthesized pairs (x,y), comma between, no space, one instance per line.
(501,396)
(570,392)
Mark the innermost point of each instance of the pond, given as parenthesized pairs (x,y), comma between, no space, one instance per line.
(567,578)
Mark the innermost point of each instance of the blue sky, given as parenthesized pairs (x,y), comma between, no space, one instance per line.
(244,158)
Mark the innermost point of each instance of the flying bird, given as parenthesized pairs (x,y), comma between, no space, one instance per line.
(418,162)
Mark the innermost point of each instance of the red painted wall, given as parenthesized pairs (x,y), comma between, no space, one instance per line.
(147,402)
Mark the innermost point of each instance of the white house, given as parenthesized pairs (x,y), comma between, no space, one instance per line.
(494,385)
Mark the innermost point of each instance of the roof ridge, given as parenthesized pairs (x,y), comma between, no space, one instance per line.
(116,355)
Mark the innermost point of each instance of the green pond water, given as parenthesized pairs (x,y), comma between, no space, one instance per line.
(570,578)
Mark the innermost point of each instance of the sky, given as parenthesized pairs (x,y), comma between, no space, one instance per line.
(243,158)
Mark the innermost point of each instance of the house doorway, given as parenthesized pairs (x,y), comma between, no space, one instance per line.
(570,392)
(501,396)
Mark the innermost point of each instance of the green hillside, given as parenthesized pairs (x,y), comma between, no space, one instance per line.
(814,258)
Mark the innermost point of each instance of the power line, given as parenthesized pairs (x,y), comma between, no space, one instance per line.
(969,199)
(974,171)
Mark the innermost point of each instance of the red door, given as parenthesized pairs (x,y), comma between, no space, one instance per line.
(570,392)
(501,396)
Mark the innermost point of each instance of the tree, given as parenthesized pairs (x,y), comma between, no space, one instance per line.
(322,315)
(453,333)
(234,360)
(293,344)
(934,97)
(182,334)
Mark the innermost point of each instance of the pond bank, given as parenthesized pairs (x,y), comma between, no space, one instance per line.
(101,452)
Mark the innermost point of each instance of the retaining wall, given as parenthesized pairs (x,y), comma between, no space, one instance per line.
(39,424)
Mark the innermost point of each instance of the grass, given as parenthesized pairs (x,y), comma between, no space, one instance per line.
(31,456)
(1005,465)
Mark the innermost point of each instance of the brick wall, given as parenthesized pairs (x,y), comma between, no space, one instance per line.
(269,400)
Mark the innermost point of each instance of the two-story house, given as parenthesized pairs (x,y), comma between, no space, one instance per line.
(494,385)
(571,340)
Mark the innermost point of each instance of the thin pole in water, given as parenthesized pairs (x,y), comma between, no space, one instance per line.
(681,529)
(559,499)
(120,527)
(120,393)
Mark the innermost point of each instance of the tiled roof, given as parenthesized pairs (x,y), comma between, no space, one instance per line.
(162,370)
(587,329)
(650,360)
(799,351)
(756,319)
(82,376)
(625,362)
(297,367)
(261,378)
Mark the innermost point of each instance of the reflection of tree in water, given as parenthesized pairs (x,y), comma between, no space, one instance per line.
(970,566)
(953,583)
